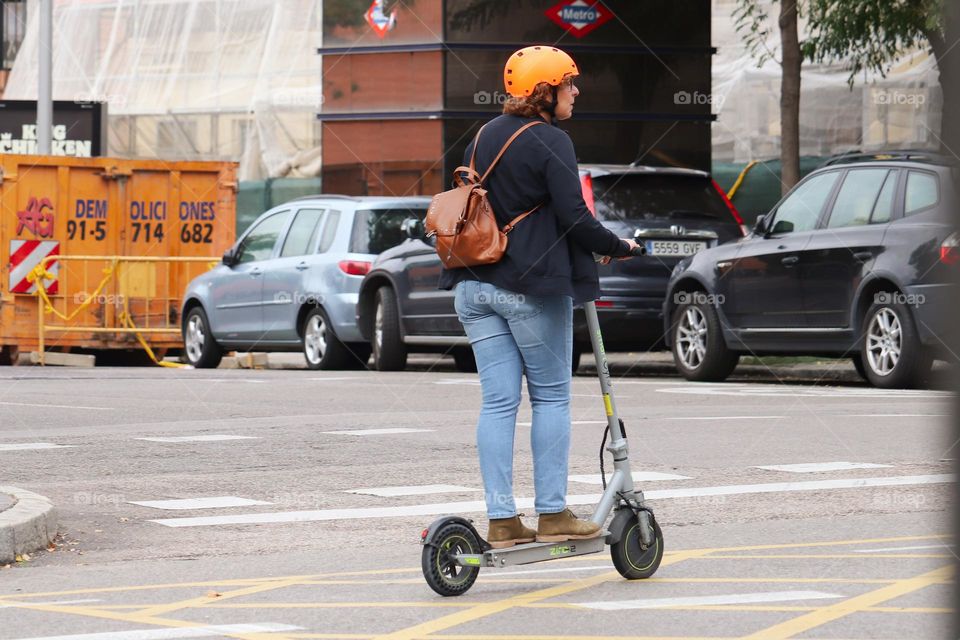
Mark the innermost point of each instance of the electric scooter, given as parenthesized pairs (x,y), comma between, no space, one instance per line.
(454,552)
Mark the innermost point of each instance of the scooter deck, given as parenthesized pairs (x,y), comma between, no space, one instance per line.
(533,552)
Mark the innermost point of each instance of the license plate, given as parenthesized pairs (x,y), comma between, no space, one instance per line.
(678,248)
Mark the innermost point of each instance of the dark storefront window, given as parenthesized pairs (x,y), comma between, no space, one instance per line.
(624,83)
(412,22)
(646,23)
(14,24)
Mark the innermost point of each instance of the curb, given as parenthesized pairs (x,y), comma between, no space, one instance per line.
(29,525)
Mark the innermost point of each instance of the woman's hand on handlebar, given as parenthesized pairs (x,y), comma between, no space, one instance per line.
(635,250)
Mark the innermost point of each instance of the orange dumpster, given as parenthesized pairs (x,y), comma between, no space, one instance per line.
(59,215)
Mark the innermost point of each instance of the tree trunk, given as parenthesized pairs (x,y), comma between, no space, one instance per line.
(949,71)
(789,96)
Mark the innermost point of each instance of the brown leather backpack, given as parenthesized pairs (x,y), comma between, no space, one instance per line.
(462,220)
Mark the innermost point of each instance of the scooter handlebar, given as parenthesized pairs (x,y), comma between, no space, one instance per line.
(638,250)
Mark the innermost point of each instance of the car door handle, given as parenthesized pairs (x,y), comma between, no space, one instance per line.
(863,256)
(789,261)
(255,272)
(303,266)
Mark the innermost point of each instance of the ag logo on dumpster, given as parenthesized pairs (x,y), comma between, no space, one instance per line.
(25,255)
(37,218)
(579,17)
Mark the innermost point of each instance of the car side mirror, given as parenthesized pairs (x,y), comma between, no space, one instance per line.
(783,226)
(230,257)
(412,228)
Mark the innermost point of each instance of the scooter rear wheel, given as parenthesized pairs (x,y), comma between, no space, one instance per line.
(440,571)
(630,557)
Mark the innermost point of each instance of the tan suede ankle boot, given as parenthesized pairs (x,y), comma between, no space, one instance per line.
(558,527)
(507,532)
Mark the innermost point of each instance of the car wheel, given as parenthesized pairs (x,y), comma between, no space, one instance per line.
(893,356)
(199,348)
(698,347)
(321,347)
(464,360)
(389,352)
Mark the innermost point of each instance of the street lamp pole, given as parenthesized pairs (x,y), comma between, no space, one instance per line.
(45,88)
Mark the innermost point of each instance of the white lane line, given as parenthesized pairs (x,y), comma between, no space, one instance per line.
(55,406)
(336,378)
(210,438)
(916,548)
(638,476)
(694,601)
(33,445)
(468,381)
(817,467)
(477,506)
(7,605)
(527,424)
(895,415)
(217,502)
(790,391)
(205,631)
(376,432)
(421,490)
(727,418)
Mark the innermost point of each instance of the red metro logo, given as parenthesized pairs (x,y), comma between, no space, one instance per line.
(579,17)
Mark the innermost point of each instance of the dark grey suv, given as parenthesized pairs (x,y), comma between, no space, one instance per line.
(857,260)
(673,212)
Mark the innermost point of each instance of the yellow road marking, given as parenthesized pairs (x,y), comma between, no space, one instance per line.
(855,604)
(814,556)
(205,600)
(489,608)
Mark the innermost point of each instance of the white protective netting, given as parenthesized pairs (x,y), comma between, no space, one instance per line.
(191,79)
(899,111)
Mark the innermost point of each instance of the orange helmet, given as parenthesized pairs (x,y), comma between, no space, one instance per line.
(530,66)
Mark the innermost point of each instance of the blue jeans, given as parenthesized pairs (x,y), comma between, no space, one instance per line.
(513,333)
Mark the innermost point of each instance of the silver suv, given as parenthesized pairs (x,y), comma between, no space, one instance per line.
(291,281)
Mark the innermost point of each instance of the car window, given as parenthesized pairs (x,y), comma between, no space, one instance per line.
(884,207)
(302,233)
(376,230)
(922,191)
(856,197)
(799,212)
(329,231)
(651,197)
(258,244)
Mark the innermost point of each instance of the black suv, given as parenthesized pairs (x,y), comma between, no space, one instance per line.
(674,212)
(857,260)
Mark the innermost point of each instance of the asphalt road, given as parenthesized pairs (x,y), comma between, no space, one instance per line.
(324,481)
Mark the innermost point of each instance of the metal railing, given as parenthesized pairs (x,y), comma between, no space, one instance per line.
(135,295)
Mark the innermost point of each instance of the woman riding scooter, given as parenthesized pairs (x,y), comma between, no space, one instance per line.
(518,312)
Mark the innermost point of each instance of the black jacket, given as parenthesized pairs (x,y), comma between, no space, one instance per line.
(550,251)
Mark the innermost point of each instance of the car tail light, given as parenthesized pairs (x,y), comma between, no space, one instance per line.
(950,249)
(604,303)
(733,209)
(586,184)
(354,267)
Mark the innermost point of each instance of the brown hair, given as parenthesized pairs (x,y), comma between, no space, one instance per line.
(530,106)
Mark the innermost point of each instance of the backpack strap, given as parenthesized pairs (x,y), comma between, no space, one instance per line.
(510,225)
(506,144)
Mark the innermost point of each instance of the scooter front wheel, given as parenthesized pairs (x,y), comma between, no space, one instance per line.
(441,572)
(630,557)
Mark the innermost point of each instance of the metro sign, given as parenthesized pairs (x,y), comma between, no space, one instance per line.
(579,17)
(379,20)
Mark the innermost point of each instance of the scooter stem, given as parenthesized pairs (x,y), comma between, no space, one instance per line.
(621,481)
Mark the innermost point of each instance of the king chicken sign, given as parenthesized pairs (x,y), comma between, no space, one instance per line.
(579,17)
